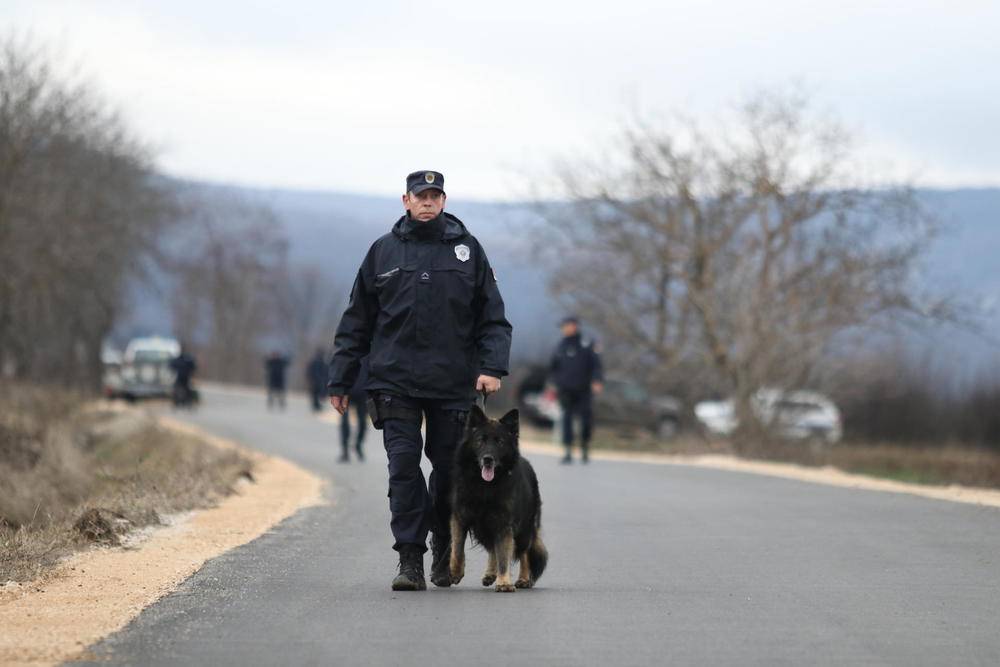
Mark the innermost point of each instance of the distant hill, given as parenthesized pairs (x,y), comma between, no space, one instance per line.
(335,230)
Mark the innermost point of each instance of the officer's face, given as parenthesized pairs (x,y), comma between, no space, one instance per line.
(569,328)
(424,206)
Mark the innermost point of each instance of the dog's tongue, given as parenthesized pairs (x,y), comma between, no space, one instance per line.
(488,473)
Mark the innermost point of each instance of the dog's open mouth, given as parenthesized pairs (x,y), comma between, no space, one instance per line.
(488,471)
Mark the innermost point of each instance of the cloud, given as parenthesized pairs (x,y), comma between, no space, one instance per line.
(320,95)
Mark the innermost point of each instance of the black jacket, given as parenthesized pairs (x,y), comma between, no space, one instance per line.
(575,365)
(275,370)
(184,366)
(316,373)
(426,309)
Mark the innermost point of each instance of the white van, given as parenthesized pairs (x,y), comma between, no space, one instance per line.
(145,368)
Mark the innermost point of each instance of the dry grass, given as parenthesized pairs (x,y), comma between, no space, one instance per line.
(58,461)
(947,464)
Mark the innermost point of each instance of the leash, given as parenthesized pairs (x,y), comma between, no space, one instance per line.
(485,396)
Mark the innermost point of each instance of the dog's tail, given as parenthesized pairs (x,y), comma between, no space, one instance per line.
(538,557)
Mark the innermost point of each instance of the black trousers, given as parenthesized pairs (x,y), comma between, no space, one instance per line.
(576,404)
(276,396)
(418,508)
(318,394)
(361,411)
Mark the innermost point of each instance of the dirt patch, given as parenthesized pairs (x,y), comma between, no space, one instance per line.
(822,475)
(97,592)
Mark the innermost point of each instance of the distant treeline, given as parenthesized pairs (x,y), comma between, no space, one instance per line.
(904,399)
(81,212)
(84,214)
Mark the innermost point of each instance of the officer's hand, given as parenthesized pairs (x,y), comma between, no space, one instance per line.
(596,387)
(340,403)
(488,384)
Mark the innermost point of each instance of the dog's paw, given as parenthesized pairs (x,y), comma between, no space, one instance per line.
(505,588)
(488,579)
(524,583)
(456,576)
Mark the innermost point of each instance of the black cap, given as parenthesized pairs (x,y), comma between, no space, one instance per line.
(569,319)
(419,181)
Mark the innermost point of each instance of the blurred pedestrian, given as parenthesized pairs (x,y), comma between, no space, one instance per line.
(359,399)
(576,372)
(184,367)
(316,373)
(275,366)
(426,310)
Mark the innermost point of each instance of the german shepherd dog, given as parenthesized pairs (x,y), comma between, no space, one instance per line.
(495,497)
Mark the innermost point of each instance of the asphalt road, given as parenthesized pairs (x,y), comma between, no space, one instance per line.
(649,565)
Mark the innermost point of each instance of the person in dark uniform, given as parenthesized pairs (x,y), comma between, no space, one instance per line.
(275,365)
(358,400)
(184,367)
(316,375)
(576,372)
(426,310)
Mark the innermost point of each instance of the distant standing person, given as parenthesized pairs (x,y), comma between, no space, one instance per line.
(184,367)
(576,372)
(316,373)
(359,399)
(275,365)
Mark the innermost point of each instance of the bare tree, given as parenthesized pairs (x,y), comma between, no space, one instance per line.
(229,264)
(742,255)
(80,209)
(310,307)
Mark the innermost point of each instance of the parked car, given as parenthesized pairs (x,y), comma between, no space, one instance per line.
(795,415)
(144,370)
(623,403)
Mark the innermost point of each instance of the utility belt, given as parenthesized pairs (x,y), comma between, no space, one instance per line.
(387,406)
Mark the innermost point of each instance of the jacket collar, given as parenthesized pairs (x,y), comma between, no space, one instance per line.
(451,228)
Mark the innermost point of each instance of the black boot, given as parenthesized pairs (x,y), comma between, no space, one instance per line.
(585,457)
(361,455)
(569,456)
(344,458)
(440,558)
(411,569)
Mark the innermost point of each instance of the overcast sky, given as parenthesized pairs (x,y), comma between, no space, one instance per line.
(352,96)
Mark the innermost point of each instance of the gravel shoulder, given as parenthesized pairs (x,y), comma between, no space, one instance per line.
(825,475)
(97,592)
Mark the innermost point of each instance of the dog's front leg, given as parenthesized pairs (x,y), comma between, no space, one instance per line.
(456,564)
(504,552)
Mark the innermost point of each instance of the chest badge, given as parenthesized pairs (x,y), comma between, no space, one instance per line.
(462,252)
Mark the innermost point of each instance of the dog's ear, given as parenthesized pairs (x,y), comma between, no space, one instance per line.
(476,417)
(510,420)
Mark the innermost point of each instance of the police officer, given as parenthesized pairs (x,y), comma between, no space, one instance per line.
(184,367)
(316,375)
(275,366)
(576,372)
(358,403)
(426,310)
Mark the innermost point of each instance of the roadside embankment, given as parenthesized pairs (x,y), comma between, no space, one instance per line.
(827,475)
(145,503)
